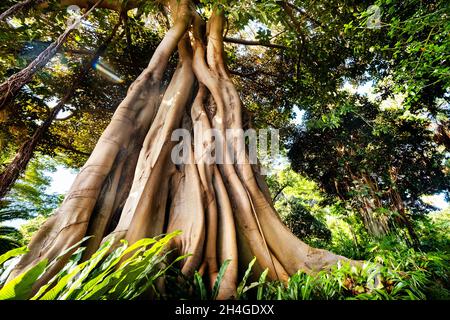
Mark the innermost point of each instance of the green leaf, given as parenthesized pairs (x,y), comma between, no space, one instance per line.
(12,253)
(20,287)
(261,282)
(240,288)
(55,292)
(219,278)
(92,263)
(102,272)
(75,258)
(65,252)
(201,286)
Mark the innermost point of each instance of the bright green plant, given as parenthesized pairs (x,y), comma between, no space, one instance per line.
(392,276)
(130,272)
(125,272)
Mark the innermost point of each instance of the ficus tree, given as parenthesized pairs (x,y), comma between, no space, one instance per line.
(130,187)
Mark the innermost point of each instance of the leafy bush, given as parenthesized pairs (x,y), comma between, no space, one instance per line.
(305,225)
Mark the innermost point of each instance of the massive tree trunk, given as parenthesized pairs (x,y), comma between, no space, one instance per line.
(130,188)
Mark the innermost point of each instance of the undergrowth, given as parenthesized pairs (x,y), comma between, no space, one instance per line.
(138,272)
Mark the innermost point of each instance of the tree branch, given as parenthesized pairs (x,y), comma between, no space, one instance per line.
(278,192)
(19,6)
(10,87)
(253,43)
(304,13)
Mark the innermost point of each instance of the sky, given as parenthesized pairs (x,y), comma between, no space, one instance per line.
(62,179)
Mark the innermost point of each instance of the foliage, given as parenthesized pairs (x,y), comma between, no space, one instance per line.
(130,272)
(28,199)
(86,115)
(304,224)
(123,272)
(396,152)
(9,238)
(413,45)
(28,228)
(350,238)
(200,287)
(376,159)
(402,274)
(390,281)
(299,203)
(29,196)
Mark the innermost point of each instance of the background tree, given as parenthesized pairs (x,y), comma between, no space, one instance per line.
(73,79)
(379,160)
